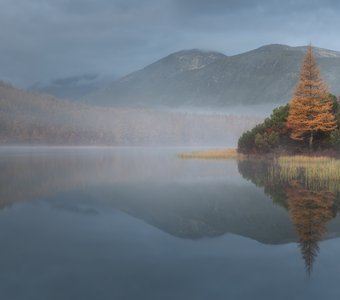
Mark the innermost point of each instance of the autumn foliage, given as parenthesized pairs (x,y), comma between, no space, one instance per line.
(312,115)
(311,108)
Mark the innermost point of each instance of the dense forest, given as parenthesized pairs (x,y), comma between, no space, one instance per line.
(310,122)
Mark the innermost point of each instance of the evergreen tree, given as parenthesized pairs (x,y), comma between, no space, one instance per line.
(311,108)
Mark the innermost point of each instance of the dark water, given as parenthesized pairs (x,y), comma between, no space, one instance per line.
(143,224)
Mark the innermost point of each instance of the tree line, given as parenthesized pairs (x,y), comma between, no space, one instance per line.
(34,118)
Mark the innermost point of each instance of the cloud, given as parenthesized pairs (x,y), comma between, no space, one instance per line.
(46,39)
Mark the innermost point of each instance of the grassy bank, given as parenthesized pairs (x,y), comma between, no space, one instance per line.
(317,171)
(211,154)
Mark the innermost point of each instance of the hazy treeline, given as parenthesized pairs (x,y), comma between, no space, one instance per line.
(30,118)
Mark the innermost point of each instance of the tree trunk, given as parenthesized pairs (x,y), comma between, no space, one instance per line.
(311,141)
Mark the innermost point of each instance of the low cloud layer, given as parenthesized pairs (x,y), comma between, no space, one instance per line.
(46,39)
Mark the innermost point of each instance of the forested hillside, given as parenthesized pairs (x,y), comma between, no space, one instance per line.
(32,118)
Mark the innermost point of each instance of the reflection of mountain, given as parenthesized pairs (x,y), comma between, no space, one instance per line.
(28,173)
(187,199)
(207,209)
(310,209)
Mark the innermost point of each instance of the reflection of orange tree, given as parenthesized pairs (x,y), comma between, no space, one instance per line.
(304,186)
(309,211)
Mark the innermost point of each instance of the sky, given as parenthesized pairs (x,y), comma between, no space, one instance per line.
(42,40)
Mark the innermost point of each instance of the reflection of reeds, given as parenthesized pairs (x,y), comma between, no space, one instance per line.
(316,172)
(211,154)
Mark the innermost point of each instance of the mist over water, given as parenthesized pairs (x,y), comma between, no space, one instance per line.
(97,223)
(251,110)
(40,121)
(144,156)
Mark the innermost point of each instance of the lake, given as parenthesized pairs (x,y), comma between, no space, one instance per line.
(140,223)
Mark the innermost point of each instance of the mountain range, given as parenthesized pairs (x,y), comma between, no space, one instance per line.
(196,78)
(125,111)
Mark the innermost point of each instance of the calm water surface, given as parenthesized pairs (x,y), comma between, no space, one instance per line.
(136,223)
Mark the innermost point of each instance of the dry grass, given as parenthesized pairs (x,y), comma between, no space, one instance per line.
(317,171)
(211,154)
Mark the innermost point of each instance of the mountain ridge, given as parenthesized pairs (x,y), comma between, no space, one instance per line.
(267,74)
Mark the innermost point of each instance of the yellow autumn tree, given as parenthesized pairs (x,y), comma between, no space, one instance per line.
(311,108)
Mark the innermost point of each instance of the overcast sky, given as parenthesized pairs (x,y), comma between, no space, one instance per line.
(46,39)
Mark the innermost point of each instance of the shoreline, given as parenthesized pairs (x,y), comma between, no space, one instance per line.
(232,153)
(228,153)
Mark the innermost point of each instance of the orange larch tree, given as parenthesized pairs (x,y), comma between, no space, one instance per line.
(311,108)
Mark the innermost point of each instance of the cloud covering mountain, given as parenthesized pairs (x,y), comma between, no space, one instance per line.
(42,40)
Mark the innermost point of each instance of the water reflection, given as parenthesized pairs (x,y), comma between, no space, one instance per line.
(310,211)
(191,199)
(310,207)
(33,173)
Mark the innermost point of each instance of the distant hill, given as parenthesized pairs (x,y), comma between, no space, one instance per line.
(73,87)
(35,118)
(195,78)
(30,117)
